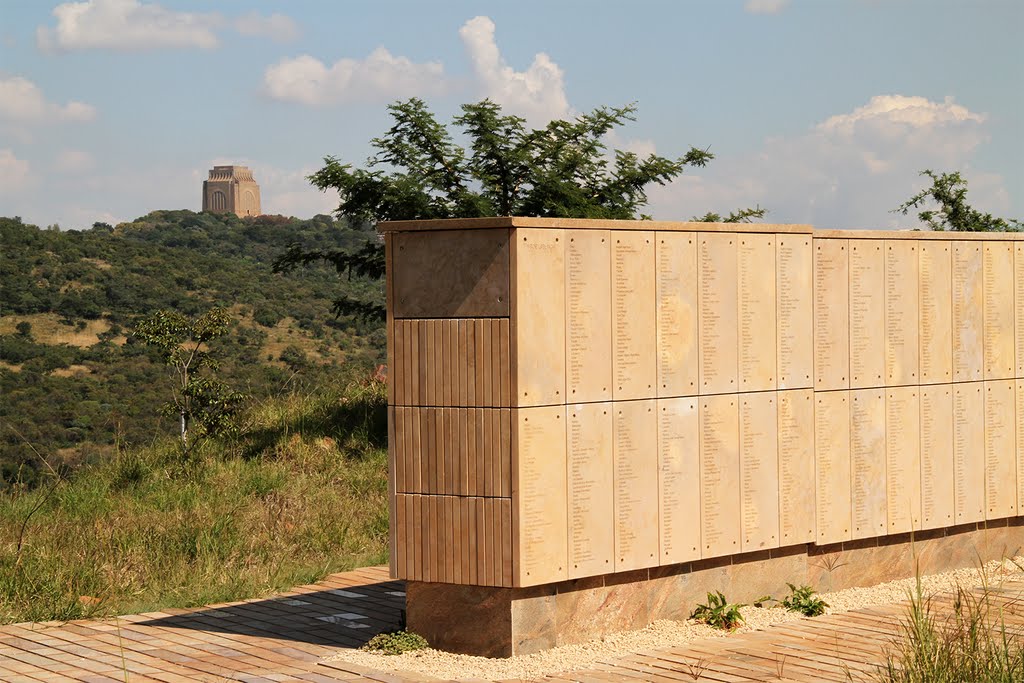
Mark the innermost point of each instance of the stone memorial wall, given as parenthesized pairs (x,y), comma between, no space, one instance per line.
(574,399)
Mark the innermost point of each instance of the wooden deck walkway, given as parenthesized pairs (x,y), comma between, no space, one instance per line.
(287,637)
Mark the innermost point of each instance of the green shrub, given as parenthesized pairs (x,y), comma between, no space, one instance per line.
(396,642)
(718,612)
(801,599)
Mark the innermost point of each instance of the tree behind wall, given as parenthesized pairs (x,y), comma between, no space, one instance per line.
(949,192)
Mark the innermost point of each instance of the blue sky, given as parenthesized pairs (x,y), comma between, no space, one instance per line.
(822,111)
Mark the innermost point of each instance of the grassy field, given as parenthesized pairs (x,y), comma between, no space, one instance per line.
(302,492)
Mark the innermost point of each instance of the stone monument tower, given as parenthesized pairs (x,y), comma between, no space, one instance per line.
(231,189)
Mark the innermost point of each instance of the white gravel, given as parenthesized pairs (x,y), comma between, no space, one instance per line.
(664,634)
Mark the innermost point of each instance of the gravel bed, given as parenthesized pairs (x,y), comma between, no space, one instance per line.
(664,634)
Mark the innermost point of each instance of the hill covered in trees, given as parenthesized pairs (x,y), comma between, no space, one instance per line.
(76,385)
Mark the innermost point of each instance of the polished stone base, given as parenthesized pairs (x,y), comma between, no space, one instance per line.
(500,622)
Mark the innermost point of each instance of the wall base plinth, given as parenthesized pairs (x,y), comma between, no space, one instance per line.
(501,622)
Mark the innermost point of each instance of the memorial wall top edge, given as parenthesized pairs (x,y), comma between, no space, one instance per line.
(917,235)
(506,222)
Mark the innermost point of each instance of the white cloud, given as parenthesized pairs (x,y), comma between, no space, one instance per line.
(277,27)
(126,25)
(74,161)
(380,77)
(21,101)
(14,173)
(765,6)
(537,94)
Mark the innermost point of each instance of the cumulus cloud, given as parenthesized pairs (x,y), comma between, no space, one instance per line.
(277,27)
(381,76)
(21,101)
(537,94)
(74,161)
(847,171)
(14,173)
(765,6)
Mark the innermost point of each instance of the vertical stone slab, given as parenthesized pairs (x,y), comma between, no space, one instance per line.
(636,485)
(719,341)
(969,452)
(867,462)
(902,313)
(538,307)
(679,479)
(796,466)
(867,314)
(1000,449)
(633,315)
(831,314)
(757,313)
(832,465)
(539,499)
(1018,279)
(936,293)
(999,310)
(794,267)
(719,476)
(677,284)
(968,312)
(937,464)
(588,315)
(590,490)
(903,458)
(1020,444)
(759,471)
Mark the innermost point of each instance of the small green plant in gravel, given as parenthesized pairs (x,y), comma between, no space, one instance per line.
(802,599)
(718,612)
(396,642)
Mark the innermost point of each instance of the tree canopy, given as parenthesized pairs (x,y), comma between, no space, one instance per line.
(949,191)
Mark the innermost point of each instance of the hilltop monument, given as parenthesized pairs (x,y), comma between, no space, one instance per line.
(231,189)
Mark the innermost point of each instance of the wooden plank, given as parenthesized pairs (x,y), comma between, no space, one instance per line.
(506,541)
(472,455)
(635,507)
(487,369)
(634,320)
(445,537)
(465,541)
(795,271)
(756,301)
(796,466)
(968,312)
(759,470)
(505,456)
(999,310)
(440,377)
(937,465)
(389,323)
(832,465)
(831,315)
(481,542)
(482,428)
(499,545)
(437,469)
(539,277)
(903,458)
(717,311)
(679,480)
(396,529)
(408,364)
(421,444)
(867,462)
(902,313)
(1000,449)
(447,369)
(495,450)
(451,473)
(969,451)
(414,548)
(480,362)
(505,398)
(397,367)
(462,362)
(1018,279)
(398,442)
(415,397)
(867,314)
(936,294)
(427,539)
(677,283)
(496,369)
(473,398)
(423,360)
(719,475)
(465,439)
(489,442)
(588,315)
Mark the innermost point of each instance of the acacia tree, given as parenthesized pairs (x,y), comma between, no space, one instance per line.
(506,169)
(949,191)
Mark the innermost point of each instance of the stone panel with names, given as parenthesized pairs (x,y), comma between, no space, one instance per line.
(867,462)
(679,479)
(968,312)
(1000,449)
(867,314)
(636,484)
(757,312)
(591,497)
(902,311)
(539,500)
(903,458)
(832,466)
(677,313)
(633,312)
(538,309)
(796,466)
(969,452)
(719,476)
(1018,279)
(759,471)
(794,268)
(936,293)
(1020,444)
(588,315)
(719,341)
(998,316)
(937,466)
(831,314)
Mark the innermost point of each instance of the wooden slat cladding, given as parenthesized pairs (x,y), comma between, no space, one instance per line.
(453,539)
(458,362)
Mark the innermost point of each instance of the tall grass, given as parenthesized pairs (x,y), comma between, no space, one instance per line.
(302,492)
